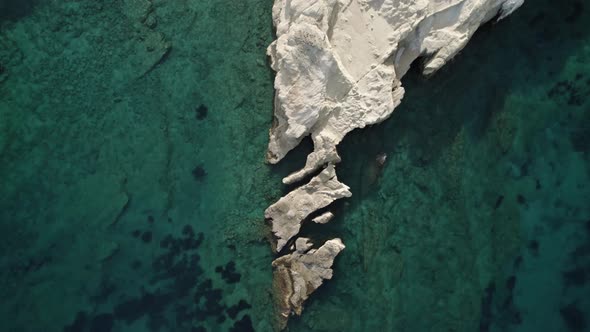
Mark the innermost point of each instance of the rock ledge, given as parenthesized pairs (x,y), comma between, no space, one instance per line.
(300,273)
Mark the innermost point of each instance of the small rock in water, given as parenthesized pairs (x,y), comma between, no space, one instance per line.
(324,218)
(381,159)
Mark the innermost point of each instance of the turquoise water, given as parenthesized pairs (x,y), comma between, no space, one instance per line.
(132,143)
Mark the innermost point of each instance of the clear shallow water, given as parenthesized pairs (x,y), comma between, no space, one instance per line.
(124,122)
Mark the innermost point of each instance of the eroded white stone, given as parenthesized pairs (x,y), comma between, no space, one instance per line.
(300,273)
(339,66)
(323,218)
(339,63)
(303,244)
(287,214)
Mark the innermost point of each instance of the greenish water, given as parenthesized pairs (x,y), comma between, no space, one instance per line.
(132,143)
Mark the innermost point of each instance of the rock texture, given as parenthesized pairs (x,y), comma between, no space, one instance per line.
(339,64)
(323,218)
(290,211)
(300,273)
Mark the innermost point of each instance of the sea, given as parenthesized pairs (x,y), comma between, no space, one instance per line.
(133,180)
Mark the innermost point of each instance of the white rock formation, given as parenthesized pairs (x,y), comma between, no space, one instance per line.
(287,214)
(323,218)
(339,63)
(300,273)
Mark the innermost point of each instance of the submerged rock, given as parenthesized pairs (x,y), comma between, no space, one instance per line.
(287,214)
(299,274)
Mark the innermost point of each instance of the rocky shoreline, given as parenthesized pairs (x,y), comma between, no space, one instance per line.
(339,67)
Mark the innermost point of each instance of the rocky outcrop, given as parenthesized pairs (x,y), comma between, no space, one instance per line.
(339,66)
(323,218)
(287,214)
(299,274)
(339,63)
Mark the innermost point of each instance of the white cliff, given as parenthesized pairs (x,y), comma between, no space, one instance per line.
(339,65)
